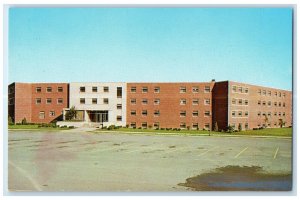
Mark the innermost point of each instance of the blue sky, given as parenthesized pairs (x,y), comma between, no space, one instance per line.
(252,45)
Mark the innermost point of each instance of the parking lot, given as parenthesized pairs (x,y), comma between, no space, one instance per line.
(72,161)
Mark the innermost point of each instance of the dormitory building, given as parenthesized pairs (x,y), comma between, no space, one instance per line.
(185,105)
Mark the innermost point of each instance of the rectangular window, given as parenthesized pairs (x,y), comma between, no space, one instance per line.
(279,94)
(195,113)
(60,101)
(259,114)
(206,113)
(283,94)
(264,92)
(94,89)
(269,103)
(207,89)
(49,89)
(206,101)
(105,100)
(133,112)
(119,92)
(233,101)
(42,115)
(269,114)
(259,102)
(275,103)
(275,113)
(195,101)
(133,125)
(38,89)
(105,89)
(240,101)
(233,88)
(182,89)
(48,100)
(156,125)
(145,101)
(94,100)
(269,93)
(246,102)
(283,114)
(195,126)
(182,125)
(263,103)
(60,89)
(240,113)
(240,89)
(144,124)
(82,89)
(259,91)
(279,104)
(246,126)
(38,101)
(144,89)
(279,114)
(133,89)
(119,106)
(156,101)
(133,101)
(283,104)
(246,113)
(195,89)
(276,94)
(207,126)
(233,113)
(182,113)
(82,100)
(156,113)
(156,89)
(51,113)
(119,118)
(182,101)
(144,112)
(246,90)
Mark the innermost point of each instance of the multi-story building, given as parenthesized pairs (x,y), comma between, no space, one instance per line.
(250,106)
(37,102)
(169,105)
(98,103)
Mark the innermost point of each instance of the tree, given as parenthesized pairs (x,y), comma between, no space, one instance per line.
(230,129)
(71,114)
(24,121)
(281,123)
(240,127)
(216,128)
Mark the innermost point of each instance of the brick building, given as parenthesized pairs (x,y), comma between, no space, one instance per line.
(37,102)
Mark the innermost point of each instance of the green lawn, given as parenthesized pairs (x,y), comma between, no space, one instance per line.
(35,126)
(287,132)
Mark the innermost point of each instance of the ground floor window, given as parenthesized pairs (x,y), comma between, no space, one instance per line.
(156,125)
(182,125)
(207,126)
(246,126)
(98,116)
(144,124)
(195,126)
(42,115)
(133,125)
(119,118)
(51,113)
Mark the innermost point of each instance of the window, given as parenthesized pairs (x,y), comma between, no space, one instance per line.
(105,89)
(279,104)
(264,92)
(207,126)
(195,101)
(133,125)
(233,113)
(206,101)
(156,101)
(269,103)
(283,104)
(283,114)
(60,89)
(240,101)
(263,103)
(207,89)
(145,101)
(206,113)
(275,113)
(144,89)
(119,106)
(144,124)
(42,115)
(133,101)
(246,126)
(195,126)
(133,112)
(182,125)
(269,93)
(264,114)
(119,92)
(246,102)
(144,112)
(279,94)
(119,118)
(259,102)
(38,89)
(195,113)
(82,89)
(276,94)
(82,100)
(195,89)
(259,114)
(182,101)
(269,114)
(275,103)
(94,89)
(240,89)
(182,89)
(94,100)
(38,101)
(283,94)
(48,100)
(133,89)
(51,113)
(246,113)
(234,88)
(156,125)
(246,90)
(279,114)
(156,113)
(156,89)
(49,89)
(60,101)
(105,100)
(182,113)
(240,113)
(259,91)
(233,101)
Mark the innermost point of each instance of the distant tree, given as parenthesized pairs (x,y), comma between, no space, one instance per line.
(216,128)
(281,123)
(71,114)
(24,121)
(230,129)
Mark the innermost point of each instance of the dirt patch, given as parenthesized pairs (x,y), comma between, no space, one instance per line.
(171,147)
(236,178)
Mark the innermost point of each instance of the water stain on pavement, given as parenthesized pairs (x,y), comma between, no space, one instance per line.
(236,178)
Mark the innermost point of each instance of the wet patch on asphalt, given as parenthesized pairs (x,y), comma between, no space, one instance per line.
(236,178)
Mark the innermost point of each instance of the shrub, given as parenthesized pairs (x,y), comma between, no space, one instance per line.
(139,127)
(127,125)
(150,126)
(188,127)
(104,127)
(230,129)
(24,121)
(71,127)
(162,128)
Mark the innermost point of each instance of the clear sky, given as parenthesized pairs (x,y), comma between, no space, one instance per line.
(251,45)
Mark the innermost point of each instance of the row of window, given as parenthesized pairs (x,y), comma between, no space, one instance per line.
(49,89)
(246,126)
(239,113)
(182,89)
(240,89)
(181,125)
(181,102)
(240,102)
(183,113)
(270,114)
(269,93)
(42,114)
(105,89)
(49,101)
(94,101)
(269,103)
